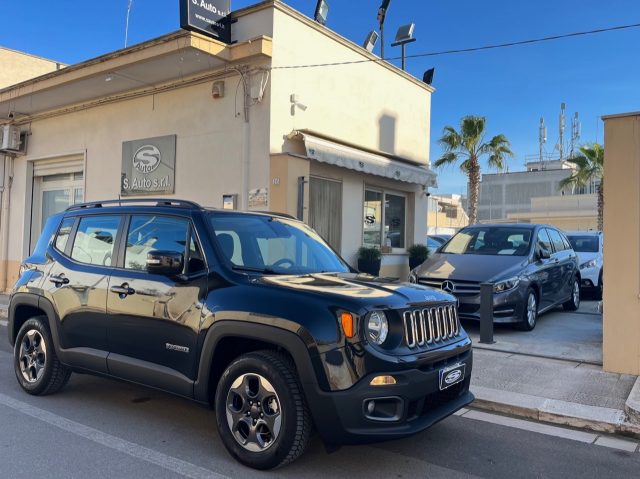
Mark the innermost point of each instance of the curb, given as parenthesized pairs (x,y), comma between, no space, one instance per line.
(632,405)
(593,418)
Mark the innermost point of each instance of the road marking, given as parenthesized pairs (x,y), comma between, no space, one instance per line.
(571,434)
(170,463)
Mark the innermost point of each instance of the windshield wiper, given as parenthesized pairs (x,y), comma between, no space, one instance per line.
(255,270)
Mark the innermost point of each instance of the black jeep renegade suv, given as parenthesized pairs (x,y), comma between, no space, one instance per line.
(250,312)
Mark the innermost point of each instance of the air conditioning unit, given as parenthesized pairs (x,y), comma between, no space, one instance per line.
(12,141)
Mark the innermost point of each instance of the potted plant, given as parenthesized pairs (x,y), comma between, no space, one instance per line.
(369,260)
(418,254)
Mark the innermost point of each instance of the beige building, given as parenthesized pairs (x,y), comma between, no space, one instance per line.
(345,148)
(16,67)
(568,212)
(621,334)
(446,214)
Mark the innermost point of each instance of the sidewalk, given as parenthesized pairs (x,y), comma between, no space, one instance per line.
(557,391)
(4,302)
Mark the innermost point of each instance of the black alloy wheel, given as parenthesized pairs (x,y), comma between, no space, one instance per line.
(37,368)
(261,412)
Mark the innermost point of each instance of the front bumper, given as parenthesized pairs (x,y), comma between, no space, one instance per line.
(590,277)
(417,392)
(508,307)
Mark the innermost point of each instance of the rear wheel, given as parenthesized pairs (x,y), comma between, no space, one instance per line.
(36,365)
(574,302)
(262,416)
(530,312)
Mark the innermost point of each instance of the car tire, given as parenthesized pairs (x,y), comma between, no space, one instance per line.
(530,312)
(261,412)
(574,301)
(37,368)
(599,289)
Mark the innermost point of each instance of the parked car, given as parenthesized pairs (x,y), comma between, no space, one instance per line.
(250,312)
(588,246)
(433,244)
(442,239)
(532,268)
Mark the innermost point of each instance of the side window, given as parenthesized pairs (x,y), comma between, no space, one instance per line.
(544,241)
(196,258)
(565,241)
(556,240)
(149,233)
(95,239)
(63,234)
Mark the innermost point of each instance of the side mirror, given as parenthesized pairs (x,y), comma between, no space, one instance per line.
(167,263)
(544,253)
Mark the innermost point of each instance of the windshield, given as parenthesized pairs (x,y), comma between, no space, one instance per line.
(490,240)
(584,244)
(273,245)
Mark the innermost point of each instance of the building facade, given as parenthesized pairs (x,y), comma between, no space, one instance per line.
(621,319)
(568,212)
(19,66)
(236,126)
(446,214)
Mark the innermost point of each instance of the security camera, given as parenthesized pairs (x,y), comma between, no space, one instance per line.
(11,115)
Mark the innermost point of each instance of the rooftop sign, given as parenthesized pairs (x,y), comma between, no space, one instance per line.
(208,17)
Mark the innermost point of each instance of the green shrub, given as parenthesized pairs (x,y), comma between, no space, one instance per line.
(368,253)
(419,251)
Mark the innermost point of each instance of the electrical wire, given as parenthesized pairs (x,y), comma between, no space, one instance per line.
(467,50)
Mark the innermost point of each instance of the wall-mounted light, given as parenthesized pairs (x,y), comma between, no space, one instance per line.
(322,12)
(217,89)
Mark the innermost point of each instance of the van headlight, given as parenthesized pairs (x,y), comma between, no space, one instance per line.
(506,285)
(377,327)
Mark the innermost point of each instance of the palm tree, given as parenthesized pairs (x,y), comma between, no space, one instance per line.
(468,146)
(589,166)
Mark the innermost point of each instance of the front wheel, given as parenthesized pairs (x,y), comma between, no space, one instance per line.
(530,313)
(574,302)
(261,412)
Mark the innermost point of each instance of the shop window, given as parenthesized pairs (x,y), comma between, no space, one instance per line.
(385,219)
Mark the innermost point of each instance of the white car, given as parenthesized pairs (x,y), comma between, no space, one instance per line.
(588,246)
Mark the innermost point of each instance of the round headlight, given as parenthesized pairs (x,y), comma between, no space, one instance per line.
(377,327)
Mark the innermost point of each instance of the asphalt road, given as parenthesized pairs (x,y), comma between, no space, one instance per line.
(101,428)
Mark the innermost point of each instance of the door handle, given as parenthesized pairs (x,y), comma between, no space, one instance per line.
(123,290)
(59,280)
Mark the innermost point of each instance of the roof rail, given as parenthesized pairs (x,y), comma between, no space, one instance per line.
(153,201)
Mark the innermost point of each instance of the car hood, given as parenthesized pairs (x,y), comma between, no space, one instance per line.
(359,288)
(471,267)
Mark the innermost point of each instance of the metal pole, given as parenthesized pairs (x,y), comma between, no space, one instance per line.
(300,209)
(486,313)
(403,58)
(382,40)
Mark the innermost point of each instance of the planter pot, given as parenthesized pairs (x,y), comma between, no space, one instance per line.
(415,262)
(371,267)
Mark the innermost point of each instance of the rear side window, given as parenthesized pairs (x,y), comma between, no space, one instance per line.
(556,240)
(95,239)
(63,234)
(153,233)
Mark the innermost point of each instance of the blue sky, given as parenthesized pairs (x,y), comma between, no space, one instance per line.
(512,87)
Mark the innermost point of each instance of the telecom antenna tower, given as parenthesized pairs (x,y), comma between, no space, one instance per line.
(576,128)
(542,139)
(561,125)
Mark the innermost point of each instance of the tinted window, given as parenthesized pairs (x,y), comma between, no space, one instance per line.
(94,241)
(565,241)
(490,240)
(153,233)
(196,258)
(63,234)
(556,240)
(543,240)
(584,244)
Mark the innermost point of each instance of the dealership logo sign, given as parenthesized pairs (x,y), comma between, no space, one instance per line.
(146,159)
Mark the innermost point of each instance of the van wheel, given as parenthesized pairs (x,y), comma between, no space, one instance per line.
(36,365)
(262,415)
(530,313)
(574,302)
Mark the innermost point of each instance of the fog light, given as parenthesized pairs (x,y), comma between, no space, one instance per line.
(383,381)
(371,406)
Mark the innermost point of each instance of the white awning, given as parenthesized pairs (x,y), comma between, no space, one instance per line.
(337,154)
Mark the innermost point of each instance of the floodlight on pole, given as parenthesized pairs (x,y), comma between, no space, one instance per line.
(370,42)
(322,12)
(382,14)
(404,36)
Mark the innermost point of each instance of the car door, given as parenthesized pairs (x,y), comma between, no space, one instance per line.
(77,284)
(546,270)
(564,266)
(154,319)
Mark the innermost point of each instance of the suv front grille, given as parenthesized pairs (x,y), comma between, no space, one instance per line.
(430,325)
(457,287)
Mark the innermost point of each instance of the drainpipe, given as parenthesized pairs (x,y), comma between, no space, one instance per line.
(5,190)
